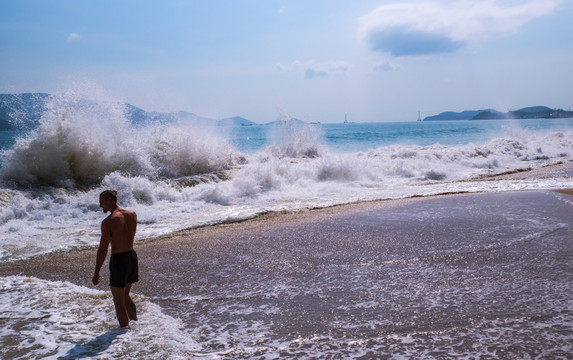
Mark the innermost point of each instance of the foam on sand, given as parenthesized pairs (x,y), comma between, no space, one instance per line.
(60,320)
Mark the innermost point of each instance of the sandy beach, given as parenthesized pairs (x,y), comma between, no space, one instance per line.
(446,276)
(363,274)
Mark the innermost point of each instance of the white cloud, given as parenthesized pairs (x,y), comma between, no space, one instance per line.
(312,69)
(74,36)
(385,65)
(428,27)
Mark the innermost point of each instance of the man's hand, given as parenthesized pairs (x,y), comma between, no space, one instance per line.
(95,279)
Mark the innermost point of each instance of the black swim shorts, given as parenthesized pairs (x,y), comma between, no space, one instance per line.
(123,269)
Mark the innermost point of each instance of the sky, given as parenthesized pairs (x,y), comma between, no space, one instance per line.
(314,60)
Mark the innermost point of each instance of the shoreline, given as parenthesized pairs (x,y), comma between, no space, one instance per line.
(412,276)
(76,265)
(563,169)
(557,169)
(58,265)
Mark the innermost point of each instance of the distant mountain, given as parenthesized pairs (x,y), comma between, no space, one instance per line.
(181,117)
(490,115)
(533,112)
(136,115)
(23,112)
(540,112)
(235,121)
(535,109)
(450,115)
(278,122)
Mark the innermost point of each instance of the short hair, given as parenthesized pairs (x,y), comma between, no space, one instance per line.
(110,194)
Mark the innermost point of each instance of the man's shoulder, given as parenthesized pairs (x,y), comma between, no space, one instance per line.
(115,217)
(122,215)
(126,212)
(107,222)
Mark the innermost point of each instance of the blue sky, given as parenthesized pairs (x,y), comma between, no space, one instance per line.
(314,60)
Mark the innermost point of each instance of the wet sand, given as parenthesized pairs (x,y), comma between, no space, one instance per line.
(486,274)
(77,266)
(482,274)
(563,169)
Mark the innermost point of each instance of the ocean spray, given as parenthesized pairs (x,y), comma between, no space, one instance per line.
(79,142)
(178,175)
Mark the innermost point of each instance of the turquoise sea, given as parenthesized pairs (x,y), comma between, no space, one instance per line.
(355,137)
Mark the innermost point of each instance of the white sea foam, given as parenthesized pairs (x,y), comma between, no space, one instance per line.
(78,142)
(177,176)
(50,319)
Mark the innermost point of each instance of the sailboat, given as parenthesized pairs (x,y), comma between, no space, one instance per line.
(419,118)
(345,119)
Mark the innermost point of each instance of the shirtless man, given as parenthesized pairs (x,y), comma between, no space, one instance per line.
(118,229)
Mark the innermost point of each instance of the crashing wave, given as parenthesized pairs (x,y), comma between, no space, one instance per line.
(79,142)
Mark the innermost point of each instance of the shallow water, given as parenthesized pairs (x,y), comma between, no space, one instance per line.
(409,282)
(59,320)
(398,280)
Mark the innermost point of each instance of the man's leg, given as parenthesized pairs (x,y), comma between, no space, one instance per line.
(120,308)
(129,304)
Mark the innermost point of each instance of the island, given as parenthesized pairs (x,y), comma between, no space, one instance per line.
(532,112)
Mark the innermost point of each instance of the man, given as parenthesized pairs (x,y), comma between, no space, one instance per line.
(118,229)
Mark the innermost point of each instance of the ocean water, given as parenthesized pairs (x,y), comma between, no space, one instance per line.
(178,176)
(181,176)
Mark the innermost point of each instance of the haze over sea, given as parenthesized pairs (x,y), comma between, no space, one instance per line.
(179,176)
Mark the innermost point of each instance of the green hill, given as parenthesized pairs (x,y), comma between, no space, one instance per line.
(532,112)
(450,115)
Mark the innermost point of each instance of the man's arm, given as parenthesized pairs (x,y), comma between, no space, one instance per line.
(102,250)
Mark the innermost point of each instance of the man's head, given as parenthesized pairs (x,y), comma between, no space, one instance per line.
(108,200)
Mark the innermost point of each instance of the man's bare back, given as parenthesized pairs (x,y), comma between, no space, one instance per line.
(120,226)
